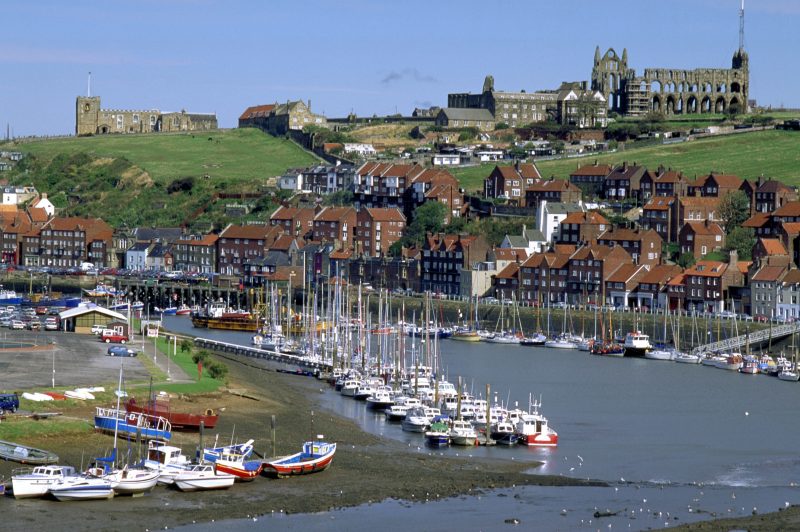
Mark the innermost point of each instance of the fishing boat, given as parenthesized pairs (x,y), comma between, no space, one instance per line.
(166,459)
(159,406)
(236,464)
(637,344)
(101,290)
(537,339)
(183,310)
(166,311)
(315,456)
(82,488)
(203,477)
(608,349)
(10,297)
(216,316)
(438,434)
(503,433)
(212,454)
(533,429)
(463,433)
(131,424)
(17,452)
(415,420)
(731,362)
(750,365)
(37,482)
(465,335)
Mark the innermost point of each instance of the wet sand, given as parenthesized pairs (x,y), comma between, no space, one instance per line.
(366,468)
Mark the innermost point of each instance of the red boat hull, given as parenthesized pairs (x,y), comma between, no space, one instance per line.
(178,420)
(240,473)
(539,440)
(299,468)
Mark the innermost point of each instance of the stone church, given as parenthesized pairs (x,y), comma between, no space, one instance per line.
(91,119)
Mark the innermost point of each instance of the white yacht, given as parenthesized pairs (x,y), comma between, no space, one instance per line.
(636,344)
(463,433)
(37,482)
(203,477)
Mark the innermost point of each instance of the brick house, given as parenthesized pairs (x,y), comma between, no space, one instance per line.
(652,290)
(761,224)
(771,195)
(450,196)
(658,215)
(590,178)
(701,238)
(588,267)
(582,227)
(707,285)
(765,284)
(506,283)
(624,182)
(676,292)
(770,251)
(196,254)
(670,183)
(293,221)
(335,224)
(68,242)
(511,182)
(238,244)
(552,191)
(622,283)
(643,245)
(377,229)
(714,185)
(788,212)
(443,257)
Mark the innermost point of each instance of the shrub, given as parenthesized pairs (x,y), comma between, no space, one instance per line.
(217,370)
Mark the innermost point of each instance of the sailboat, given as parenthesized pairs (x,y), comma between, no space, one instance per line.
(468,333)
(789,372)
(564,340)
(502,334)
(607,346)
(661,351)
(125,480)
(537,338)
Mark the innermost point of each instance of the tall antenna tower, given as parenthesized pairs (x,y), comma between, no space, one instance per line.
(741,27)
(89,79)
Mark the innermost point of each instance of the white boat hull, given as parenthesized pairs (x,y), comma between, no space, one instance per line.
(560,344)
(218,482)
(660,354)
(138,481)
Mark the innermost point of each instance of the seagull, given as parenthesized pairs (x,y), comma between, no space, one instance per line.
(580,458)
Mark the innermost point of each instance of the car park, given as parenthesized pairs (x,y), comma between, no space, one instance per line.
(120,351)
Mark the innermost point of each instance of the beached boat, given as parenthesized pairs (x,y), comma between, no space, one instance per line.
(231,461)
(82,488)
(166,459)
(315,456)
(17,452)
(38,481)
(160,407)
(463,433)
(203,477)
(212,454)
(10,297)
(130,481)
(129,424)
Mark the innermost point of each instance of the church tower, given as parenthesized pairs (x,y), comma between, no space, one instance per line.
(87,115)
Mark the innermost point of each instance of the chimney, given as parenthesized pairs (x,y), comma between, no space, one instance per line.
(760,181)
(309,104)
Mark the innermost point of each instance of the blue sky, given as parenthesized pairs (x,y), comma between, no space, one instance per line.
(371,57)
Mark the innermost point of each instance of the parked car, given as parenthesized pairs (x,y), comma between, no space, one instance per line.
(121,351)
(5,321)
(17,325)
(98,328)
(9,402)
(35,325)
(51,323)
(115,337)
(761,318)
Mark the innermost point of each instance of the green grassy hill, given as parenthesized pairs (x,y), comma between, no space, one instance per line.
(157,178)
(774,154)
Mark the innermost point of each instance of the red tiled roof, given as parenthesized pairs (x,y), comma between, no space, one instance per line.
(509,272)
(510,254)
(37,214)
(333,214)
(256,111)
(282,243)
(257,232)
(624,273)
(759,219)
(773,186)
(727,180)
(341,254)
(790,208)
(621,233)
(677,280)
(589,217)
(772,246)
(659,203)
(791,228)
(769,273)
(290,213)
(708,202)
(670,176)
(392,214)
(707,268)
(660,274)
(792,277)
(592,170)
(744,266)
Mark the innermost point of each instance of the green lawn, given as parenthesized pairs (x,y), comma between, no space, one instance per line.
(234,154)
(774,154)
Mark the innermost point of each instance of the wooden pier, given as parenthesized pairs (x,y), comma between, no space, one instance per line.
(255,352)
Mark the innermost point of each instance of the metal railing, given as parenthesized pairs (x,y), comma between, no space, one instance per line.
(751,338)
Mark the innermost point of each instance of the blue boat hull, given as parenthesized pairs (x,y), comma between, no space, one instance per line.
(107,424)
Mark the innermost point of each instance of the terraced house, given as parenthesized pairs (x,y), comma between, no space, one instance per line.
(68,242)
(197,254)
(238,244)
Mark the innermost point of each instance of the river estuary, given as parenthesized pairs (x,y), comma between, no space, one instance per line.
(677,443)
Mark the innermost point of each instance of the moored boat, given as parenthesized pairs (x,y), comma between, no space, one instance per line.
(131,424)
(37,482)
(463,433)
(534,430)
(438,434)
(203,477)
(636,344)
(537,339)
(688,358)
(608,348)
(503,433)
(315,456)
(82,488)
(167,460)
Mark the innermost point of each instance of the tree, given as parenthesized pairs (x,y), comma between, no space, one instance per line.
(742,240)
(686,260)
(734,209)
(429,218)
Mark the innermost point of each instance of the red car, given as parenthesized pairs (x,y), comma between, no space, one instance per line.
(761,318)
(113,337)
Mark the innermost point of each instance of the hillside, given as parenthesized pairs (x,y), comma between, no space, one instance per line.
(774,154)
(164,179)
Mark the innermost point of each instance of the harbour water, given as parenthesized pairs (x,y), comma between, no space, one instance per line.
(678,439)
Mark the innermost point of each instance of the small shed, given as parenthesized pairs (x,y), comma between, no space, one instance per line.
(82,318)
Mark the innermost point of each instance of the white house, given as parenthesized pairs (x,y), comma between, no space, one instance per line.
(15,195)
(363,150)
(531,240)
(136,256)
(446,159)
(292,180)
(46,204)
(550,215)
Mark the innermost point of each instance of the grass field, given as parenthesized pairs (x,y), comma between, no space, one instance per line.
(774,154)
(233,154)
